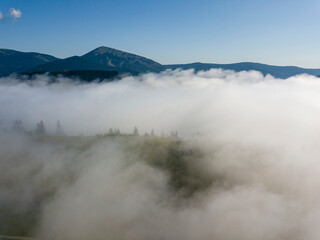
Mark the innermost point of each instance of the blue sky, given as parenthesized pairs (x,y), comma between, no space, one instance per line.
(282,32)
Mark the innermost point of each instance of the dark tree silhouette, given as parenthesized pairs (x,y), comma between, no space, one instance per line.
(59,130)
(110,133)
(40,130)
(174,134)
(135,131)
(18,126)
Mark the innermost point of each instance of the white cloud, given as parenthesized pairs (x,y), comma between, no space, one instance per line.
(15,13)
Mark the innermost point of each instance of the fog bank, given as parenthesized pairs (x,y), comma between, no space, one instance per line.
(246,165)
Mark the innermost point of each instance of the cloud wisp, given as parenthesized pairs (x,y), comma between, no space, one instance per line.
(13,14)
(246,166)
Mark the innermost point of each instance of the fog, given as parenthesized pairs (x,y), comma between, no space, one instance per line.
(245,166)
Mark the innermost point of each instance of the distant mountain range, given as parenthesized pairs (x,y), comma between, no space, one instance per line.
(276,71)
(110,62)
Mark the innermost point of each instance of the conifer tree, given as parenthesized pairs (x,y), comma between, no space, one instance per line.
(40,130)
(110,132)
(18,126)
(59,130)
(135,131)
(118,132)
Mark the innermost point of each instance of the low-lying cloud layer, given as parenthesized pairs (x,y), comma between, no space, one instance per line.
(247,166)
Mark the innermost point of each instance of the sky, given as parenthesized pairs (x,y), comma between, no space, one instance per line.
(279,32)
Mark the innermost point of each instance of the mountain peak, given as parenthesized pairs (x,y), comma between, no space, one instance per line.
(107,50)
(122,61)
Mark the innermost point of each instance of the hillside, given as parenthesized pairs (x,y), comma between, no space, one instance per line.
(82,75)
(122,61)
(14,61)
(74,63)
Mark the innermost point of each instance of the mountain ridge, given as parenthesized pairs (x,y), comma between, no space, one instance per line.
(71,64)
(110,59)
(12,61)
(282,72)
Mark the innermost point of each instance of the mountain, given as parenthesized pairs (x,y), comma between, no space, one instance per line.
(14,61)
(276,71)
(109,59)
(122,61)
(76,68)
(70,64)
(104,59)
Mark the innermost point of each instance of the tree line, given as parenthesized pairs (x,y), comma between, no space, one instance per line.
(40,130)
